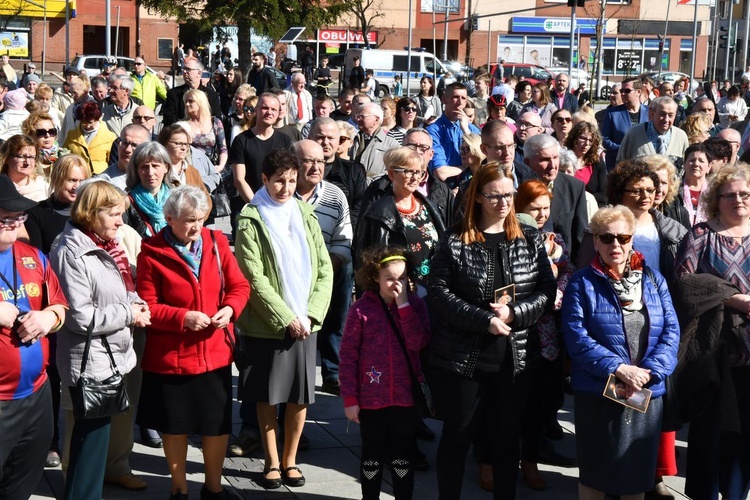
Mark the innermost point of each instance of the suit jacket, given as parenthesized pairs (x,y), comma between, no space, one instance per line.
(568,215)
(636,143)
(615,125)
(307,107)
(174,107)
(570,101)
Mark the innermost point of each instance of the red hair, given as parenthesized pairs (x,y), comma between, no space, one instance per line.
(88,111)
(528,192)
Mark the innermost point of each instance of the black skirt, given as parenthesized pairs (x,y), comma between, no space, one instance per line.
(187,404)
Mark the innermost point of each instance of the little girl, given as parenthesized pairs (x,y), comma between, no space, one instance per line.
(376,384)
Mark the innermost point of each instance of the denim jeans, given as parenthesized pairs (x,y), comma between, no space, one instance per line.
(329,337)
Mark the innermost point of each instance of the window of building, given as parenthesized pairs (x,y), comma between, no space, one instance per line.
(439,6)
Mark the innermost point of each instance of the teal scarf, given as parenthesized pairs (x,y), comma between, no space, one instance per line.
(191,256)
(152,206)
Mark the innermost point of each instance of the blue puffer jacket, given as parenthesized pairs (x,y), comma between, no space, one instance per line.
(595,336)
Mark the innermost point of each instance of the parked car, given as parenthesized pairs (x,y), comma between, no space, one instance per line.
(461,71)
(530,72)
(93,63)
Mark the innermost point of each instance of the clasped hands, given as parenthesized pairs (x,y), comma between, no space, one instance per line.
(300,328)
(197,320)
(500,324)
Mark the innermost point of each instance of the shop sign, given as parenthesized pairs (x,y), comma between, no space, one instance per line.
(344,36)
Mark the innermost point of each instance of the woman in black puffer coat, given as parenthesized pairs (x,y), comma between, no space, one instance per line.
(481,350)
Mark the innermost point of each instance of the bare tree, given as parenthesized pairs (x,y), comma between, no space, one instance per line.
(602,12)
(366,13)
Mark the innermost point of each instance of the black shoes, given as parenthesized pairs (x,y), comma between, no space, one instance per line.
(151,438)
(271,484)
(294,482)
(331,386)
(178,495)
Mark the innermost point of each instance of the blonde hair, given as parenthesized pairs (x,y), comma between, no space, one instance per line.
(727,174)
(61,169)
(474,141)
(204,109)
(402,157)
(660,162)
(609,214)
(692,126)
(92,198)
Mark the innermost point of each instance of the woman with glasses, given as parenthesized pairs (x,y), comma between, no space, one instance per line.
(584,141)
(91,139)
(207,131)
(714,259)
(694,182)
(148,188)
(404,216)
(406,118)
(429,107)
(665,200)
(18,160)
(347,133)
(541,104)
(246,116)
(620,329)
(562,123)
(177,142)
(490,282)
(40,126)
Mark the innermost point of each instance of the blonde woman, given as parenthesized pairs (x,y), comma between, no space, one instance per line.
(207,131)
(697,127)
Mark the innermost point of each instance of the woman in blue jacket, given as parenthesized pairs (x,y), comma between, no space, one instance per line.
(618,319)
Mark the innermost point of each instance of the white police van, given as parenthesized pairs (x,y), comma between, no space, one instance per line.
(386,64)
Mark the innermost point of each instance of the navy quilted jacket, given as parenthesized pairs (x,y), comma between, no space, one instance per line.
(592,325)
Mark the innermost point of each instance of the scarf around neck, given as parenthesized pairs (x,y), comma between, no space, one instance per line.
(628,288)
(152,205)
(192,255)
(290,249)
(115,250)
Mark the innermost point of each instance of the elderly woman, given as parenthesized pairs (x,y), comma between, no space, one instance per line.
(177,141)
(694,182)
(98,282)
(542,105)
(14,113)
(697,127)
(18,160)
(584,141)
(665,199)
(41,128)
(562,123)
(281,252)
(406,118)
(481,341)
(148,188)
(347,133)
(429,107)
(207,131)
(404,217)
(91,139)
(187,362)
(620,323)
(714,260)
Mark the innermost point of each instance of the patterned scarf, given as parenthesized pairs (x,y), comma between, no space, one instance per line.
(152,205)
(628,288)
(191,256)
(115,250)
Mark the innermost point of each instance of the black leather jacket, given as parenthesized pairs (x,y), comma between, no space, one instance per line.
(460,290)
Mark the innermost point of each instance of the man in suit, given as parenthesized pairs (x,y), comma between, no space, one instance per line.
(561,98)
(618,120)
(174,107)
(568,215)
(299,102)
(656,136)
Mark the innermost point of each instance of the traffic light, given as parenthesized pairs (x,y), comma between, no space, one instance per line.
(473,23)
(725,37)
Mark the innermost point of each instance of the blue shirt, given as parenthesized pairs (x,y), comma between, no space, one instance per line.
(446,141)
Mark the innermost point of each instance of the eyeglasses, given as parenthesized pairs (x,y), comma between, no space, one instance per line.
(465,150)
(142,118)
(138,64)
(409,109)
(501,148)
(626,91)
(125,144)
(411,174)
(585,139)
(422,148)
(179,144)
(524,125)
(188,70)
(41,132)
(742,195)
(10,221)
(496,198)
(362,116)
(609,238)
(309,162)
(641,192)
(248,109)
(564,119)
(24,157)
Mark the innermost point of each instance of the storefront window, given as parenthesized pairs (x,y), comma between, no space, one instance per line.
(629,57)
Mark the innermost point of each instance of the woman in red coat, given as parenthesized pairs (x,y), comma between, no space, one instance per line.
(194,288)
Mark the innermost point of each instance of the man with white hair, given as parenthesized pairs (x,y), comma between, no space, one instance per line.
(299,101)
(568,215)
(131,137)
(372,142)
(119,112)
(656,136)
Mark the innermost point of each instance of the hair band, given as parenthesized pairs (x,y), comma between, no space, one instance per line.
(392,258)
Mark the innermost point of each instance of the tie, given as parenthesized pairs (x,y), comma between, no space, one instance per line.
(300,111)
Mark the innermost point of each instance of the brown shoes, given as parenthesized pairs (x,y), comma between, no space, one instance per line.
(129,482)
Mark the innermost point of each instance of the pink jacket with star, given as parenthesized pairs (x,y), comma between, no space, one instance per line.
(373,372)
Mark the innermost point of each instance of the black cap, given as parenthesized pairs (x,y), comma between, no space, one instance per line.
(71,69)
(10,200)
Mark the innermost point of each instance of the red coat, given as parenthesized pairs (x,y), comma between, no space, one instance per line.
(171,290)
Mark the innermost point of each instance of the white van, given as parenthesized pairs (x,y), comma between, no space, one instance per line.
(388,63)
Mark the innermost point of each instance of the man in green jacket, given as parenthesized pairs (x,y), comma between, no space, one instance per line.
(148,87)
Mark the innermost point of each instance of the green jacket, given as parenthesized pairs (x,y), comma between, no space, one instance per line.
(148,90)
(266,315)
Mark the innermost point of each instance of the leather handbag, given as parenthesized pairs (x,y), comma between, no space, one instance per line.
(421,393)
(94,398)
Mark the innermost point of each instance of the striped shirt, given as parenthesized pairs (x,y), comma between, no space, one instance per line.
(332,211)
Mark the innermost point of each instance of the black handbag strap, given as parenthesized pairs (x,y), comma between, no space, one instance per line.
(232,341)
(87,348)
(399,338)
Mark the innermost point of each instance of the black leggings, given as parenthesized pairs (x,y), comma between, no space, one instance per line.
(387,433)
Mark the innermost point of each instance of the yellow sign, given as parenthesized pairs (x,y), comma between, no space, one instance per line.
(35,8)
(15,44)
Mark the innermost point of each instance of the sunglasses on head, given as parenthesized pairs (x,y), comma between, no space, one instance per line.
(41,132)
(608,238)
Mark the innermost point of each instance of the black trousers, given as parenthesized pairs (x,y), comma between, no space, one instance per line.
(25,435)
(503,398)
(388,433)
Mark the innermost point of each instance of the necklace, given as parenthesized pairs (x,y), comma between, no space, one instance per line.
(726,229)
(412,208)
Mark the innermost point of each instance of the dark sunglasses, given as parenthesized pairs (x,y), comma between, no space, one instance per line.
(626,91)
(248,109)
(41,132)
(563,119)
(409,109)
(608,238)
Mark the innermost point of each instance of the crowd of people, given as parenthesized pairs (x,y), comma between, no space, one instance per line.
(484,246)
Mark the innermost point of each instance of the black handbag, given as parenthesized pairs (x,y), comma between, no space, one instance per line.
(98,398)
(239,346)
(220,199)
(420,390)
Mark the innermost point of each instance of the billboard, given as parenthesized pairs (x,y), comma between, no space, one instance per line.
(14,43)
(36,8)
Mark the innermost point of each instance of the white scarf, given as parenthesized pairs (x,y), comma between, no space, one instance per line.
(290,250)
